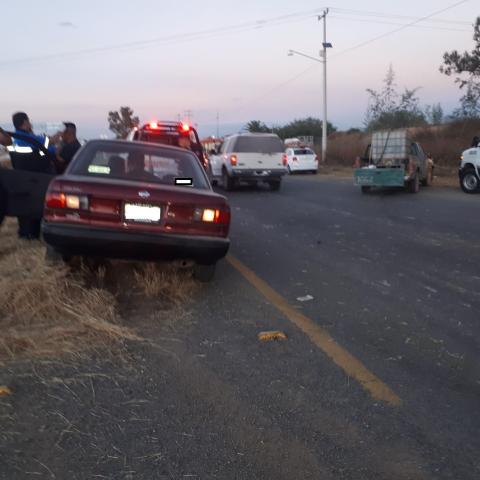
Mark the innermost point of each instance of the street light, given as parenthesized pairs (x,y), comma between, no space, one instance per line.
(321,59)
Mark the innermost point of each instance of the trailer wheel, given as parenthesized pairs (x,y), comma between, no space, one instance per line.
(414,184)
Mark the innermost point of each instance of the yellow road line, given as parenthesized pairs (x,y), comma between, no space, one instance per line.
(321,338)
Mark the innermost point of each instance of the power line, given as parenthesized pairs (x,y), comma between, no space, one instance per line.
(172,39)
(430,27)
(403,27)
(360,45)
(397,16)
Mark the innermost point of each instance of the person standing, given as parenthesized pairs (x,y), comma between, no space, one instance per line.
(69,148)
(26,155)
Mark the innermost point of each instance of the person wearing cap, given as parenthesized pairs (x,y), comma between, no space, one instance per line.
(69,147)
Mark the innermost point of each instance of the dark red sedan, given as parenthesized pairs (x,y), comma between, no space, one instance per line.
(137,200)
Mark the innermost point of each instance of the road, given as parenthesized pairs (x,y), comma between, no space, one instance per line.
(379,377)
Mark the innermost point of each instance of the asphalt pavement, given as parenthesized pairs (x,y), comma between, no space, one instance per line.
(379,377)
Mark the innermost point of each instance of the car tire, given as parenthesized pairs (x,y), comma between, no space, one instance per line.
(275,185)
(54,257)
(414,184)
(227,181)
(314,172)
(469,181)
(204,273)
(365,189)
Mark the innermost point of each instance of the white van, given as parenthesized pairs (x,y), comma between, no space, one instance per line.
(250,157)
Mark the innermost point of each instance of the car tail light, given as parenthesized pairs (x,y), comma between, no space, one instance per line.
(185,127)
(295,159)
(233,160)
(55,200)
(153,125)
(285,160)
(66,201)
(212,215)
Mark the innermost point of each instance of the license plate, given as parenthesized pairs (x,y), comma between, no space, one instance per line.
(142,213)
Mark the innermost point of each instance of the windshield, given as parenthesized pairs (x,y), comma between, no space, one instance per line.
(254,144)
(303,151)
(136,162)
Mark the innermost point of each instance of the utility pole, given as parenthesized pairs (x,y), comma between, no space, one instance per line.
(324,56)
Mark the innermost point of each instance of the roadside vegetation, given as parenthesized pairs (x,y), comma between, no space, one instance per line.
(49,311)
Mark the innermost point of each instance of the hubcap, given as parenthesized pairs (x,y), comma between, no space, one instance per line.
(470,181)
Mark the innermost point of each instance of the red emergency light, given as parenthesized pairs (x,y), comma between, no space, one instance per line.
(185,127)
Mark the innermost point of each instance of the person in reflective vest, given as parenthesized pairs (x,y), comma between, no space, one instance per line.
(25,156)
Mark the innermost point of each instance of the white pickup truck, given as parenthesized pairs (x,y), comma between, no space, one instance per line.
(469,171)
(251,158)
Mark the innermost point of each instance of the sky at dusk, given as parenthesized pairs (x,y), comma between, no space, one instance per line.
(78,60)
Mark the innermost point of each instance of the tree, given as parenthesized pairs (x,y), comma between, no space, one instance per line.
(256,126)
(122,121)
(434,114)
(389,109)
(304,127)
(467,67)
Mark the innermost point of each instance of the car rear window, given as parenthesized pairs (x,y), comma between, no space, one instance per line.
(303,151)
(137,162)
(258,144)
(172,137)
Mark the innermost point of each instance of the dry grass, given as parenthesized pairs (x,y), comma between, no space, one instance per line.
(165,282)
(48,311)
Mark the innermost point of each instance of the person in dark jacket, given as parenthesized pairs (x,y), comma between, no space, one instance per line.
(26,155)
(475,142)
(69,148)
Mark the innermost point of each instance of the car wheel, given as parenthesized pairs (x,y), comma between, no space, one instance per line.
(227,181)
(469,181)
(275,185)
(365,189)
(414,184)
(54,257)
(204,273)
(314,172)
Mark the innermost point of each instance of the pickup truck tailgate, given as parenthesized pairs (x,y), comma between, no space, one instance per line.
(260,160)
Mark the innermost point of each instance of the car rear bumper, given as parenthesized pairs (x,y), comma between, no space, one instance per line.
(84,240)
(261,175)
(303,166)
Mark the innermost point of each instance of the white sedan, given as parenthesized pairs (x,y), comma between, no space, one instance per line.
(301,160)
